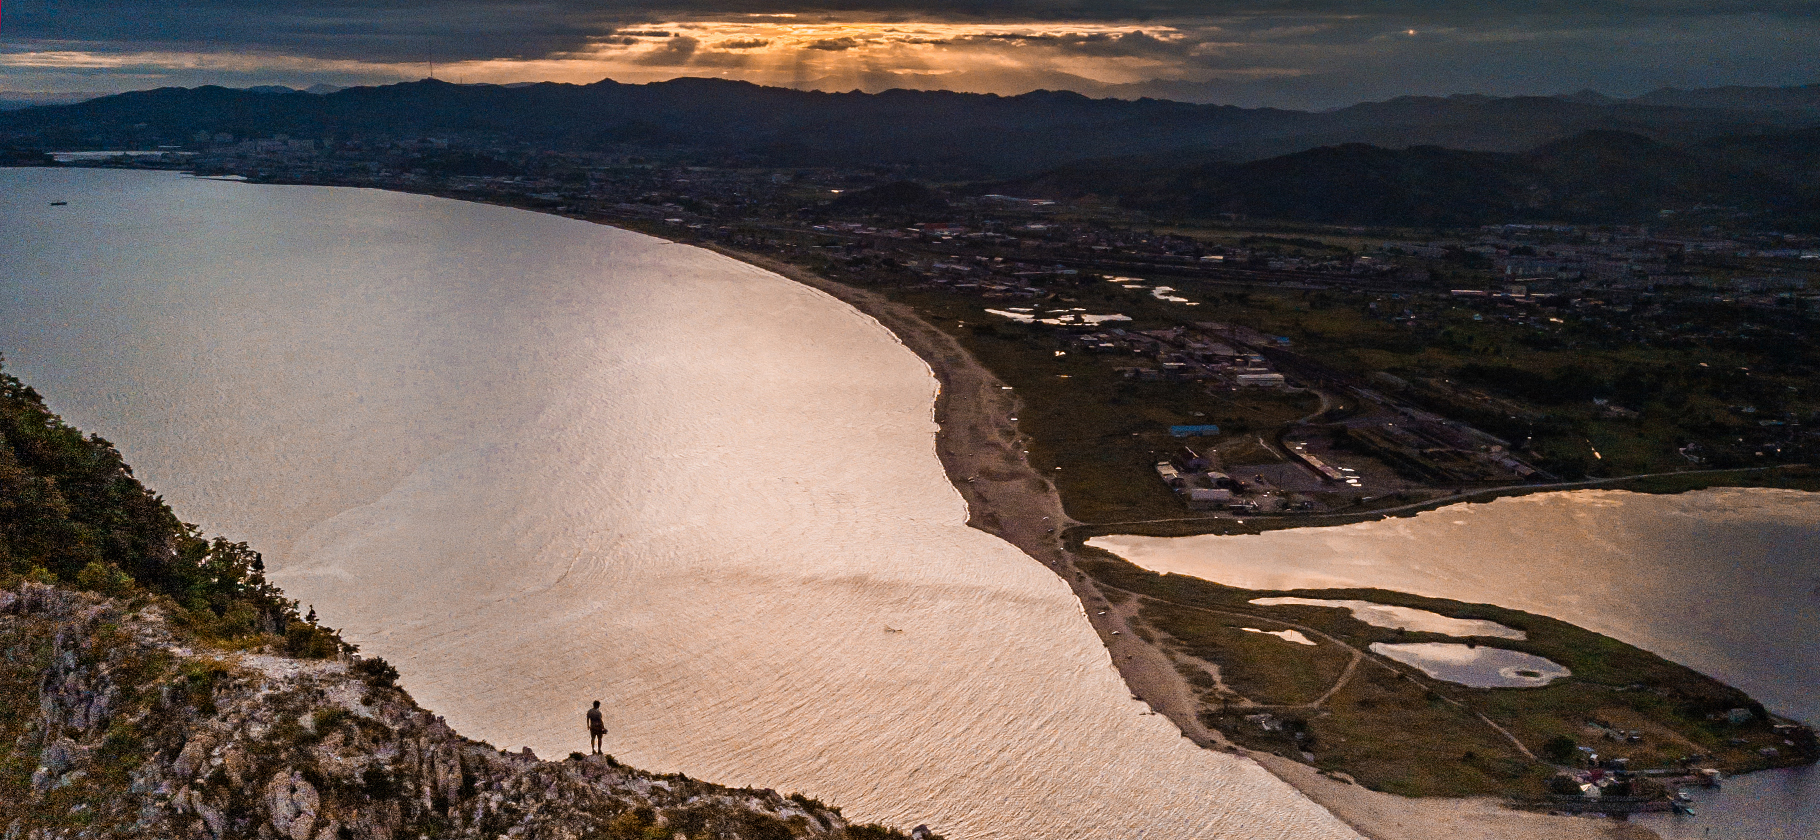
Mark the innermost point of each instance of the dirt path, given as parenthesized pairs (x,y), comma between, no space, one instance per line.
(1128,609)
(1345,677)
(1151,673)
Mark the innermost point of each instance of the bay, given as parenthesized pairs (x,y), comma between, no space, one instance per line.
(536,462)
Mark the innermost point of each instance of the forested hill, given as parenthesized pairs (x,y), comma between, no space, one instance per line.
(1771,179)
(941,134)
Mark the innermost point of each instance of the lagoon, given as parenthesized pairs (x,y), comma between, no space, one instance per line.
(1724,581)
(1477,666)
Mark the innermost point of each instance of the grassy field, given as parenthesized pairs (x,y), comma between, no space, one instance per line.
(1103,431)
(1395,729)
(1246,660)
(1551,368)
(1526,373)
(1794,477)
(1392,736)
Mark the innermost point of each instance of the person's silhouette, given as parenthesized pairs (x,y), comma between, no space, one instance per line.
(597,729)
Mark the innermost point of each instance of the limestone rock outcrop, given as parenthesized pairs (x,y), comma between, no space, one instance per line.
(113,725)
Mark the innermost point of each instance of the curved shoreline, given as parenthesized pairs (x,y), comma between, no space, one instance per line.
(1649,483)
(981,450)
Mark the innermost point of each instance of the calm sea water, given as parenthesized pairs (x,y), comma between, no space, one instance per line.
(536,462)
(1725,581)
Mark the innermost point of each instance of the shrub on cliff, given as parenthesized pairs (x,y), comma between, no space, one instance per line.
(377,672)
(104,578)
(72,513)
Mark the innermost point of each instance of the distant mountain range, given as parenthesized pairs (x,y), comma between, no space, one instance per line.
(319,89)
(13,100)
(1741,153)
(1801,98)
(1768,179)
(1805,97)
(936,133)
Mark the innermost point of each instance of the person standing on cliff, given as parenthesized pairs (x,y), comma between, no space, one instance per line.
(597,729)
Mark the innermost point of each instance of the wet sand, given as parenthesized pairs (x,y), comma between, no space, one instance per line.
(982,451)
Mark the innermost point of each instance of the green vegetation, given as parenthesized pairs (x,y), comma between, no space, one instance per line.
(1673,370)
(1580,388)
(1104,431)
(1793,477)
(1395,729)
(71,513)
(1215,638)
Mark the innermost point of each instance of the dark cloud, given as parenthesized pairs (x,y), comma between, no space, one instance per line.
(675,52)
(462,29)
(834,44)
(1259,48)
(1130,44)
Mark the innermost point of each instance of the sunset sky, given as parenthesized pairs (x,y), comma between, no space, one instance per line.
(1290,53)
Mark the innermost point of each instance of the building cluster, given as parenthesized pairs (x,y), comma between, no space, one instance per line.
(1201,353)
(1438,449)
(1196,480)
(1560,258)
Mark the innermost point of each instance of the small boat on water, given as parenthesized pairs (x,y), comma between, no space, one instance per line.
(59,203)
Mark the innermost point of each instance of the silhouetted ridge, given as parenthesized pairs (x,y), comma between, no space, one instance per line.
(1595,176)
(946,134)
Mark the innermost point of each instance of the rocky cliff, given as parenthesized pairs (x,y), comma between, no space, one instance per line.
(114,724)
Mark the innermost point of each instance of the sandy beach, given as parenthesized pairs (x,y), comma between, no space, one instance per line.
(983,453)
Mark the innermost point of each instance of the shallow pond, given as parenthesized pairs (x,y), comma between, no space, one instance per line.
(1286,635)
(1403,618)
(1474,665)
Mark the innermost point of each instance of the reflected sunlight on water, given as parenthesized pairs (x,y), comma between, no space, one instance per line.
(536,462)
